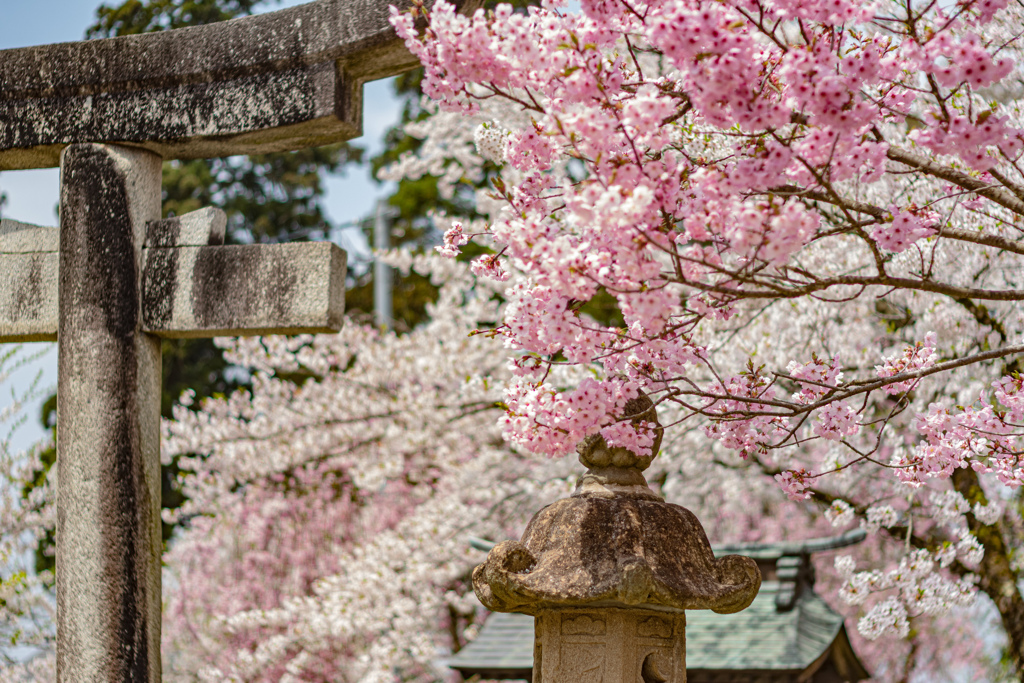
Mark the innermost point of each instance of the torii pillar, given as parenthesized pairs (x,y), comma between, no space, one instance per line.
(115,278)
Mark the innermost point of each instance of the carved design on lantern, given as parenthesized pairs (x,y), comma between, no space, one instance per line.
(654,627)
(582,625)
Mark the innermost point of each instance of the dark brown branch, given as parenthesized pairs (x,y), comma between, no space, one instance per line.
(983,239)
(855,388)
(879,214)
(999,195)
(772,291)
(818,196)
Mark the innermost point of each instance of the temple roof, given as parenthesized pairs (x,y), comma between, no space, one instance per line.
(779,549)
(787,628)
(762,637)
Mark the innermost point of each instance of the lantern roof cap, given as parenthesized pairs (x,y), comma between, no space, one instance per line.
(614,543)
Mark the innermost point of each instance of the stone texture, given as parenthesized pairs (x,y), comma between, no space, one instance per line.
(788,633)
(28,297)
(23,238)
(28,282)
(244,290)
(113,297)
(622,549)
(267,83)
(273,82)
(205,227)
(609,646)
(188,291)
(108,409)
(615,560)
(614,541)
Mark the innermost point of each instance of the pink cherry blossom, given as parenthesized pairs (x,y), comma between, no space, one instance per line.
(453,239)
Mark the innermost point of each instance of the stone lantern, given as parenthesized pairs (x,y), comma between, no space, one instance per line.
(608,572)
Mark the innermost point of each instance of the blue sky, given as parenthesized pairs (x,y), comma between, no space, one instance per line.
(32,195)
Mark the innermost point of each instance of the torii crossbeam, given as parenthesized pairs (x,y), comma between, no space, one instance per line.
(115,278)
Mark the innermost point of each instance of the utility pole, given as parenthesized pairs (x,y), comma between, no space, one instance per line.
(382,277)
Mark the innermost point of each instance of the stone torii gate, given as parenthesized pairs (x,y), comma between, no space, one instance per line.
(114,278)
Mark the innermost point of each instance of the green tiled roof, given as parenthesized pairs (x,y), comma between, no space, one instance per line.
(773,551)
(761,637)
(758,638)
(505,642)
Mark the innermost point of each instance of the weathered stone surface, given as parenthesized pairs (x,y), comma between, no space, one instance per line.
(623,549)
(205,227)
(614,541)
(244,290)
(610,646)
(28,282)
(266,83)
(23,238)
(28,297)
(108,431)
(609,571)
(192,291)
(113,298)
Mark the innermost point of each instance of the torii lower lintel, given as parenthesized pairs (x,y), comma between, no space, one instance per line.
(191,287)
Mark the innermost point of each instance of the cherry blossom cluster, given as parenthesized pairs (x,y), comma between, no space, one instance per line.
(324,539)
(489,265)
(27,611)
(542,418)
(978,141)
(453,239)
(794,484)
(715,154)
(914,587)
(748,436)
(638,438)
(325,536)
(815,378)
(982,436)
(836,421)
(964,59)
(907,227)
(490,142)
(775,195)
(919,356)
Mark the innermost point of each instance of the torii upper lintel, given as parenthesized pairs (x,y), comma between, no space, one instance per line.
(272,82)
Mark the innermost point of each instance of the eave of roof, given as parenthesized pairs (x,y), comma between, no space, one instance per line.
(773,551)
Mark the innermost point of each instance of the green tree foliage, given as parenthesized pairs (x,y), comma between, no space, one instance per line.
(414,201)
(268,198)
(142,16)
